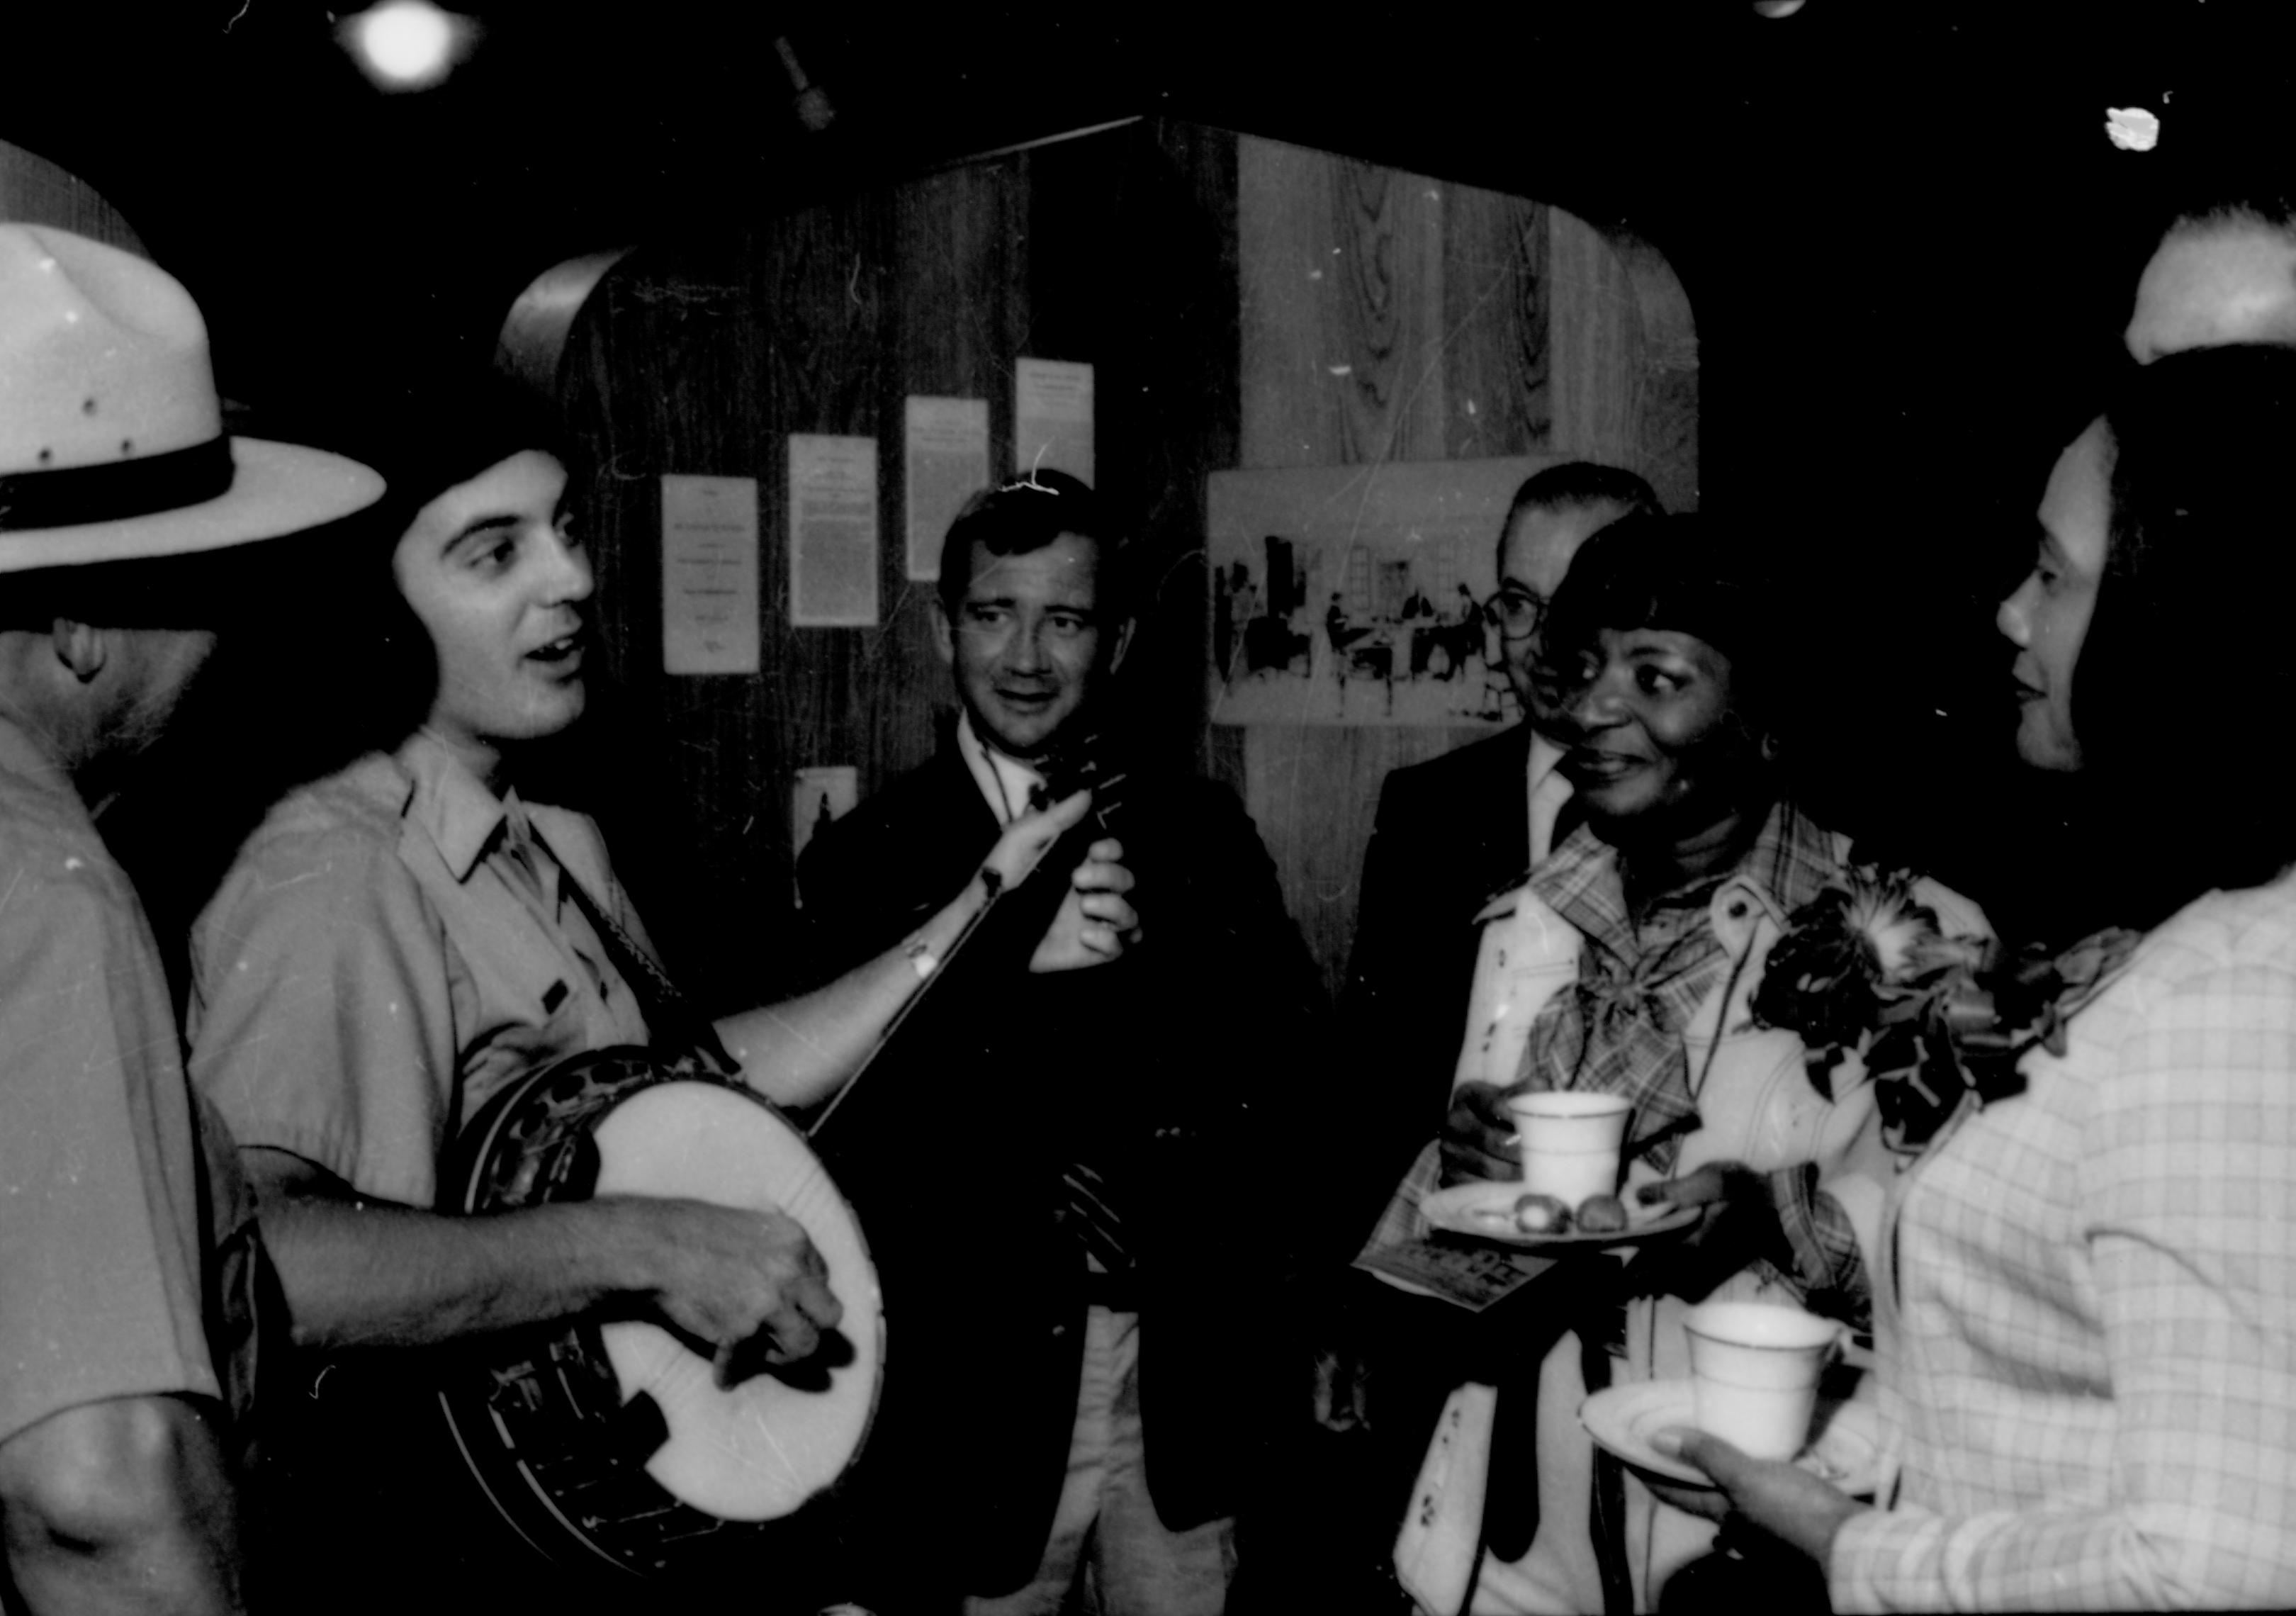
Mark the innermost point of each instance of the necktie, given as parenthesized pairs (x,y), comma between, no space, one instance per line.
(1088,1216)
(1092,1220)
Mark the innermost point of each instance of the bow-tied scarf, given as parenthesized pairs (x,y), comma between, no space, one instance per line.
(1618,1028)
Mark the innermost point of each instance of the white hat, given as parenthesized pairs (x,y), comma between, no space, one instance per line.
(111,440)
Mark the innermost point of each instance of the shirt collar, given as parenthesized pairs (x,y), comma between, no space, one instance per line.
(1008,783)
(459,816)
(1792,860)
(1544,756)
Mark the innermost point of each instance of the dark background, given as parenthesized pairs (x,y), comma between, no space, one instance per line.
(1895,220)
(1908,244)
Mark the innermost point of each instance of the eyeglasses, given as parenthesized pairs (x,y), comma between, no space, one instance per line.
(1519,611)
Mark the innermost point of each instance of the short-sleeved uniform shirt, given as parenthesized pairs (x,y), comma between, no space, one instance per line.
(382,960)
(127,1234)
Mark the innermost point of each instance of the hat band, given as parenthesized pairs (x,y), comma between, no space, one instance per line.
(117,489)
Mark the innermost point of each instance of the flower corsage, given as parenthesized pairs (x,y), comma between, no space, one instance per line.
(1939,1023)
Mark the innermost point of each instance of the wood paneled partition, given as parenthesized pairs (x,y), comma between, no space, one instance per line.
(1391,317)
(1245,304)
(702,356)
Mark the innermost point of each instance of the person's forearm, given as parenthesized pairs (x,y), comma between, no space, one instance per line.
(119,1507)
(800,1052)
(360,1274)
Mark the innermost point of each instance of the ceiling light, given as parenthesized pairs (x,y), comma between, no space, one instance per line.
(406,45)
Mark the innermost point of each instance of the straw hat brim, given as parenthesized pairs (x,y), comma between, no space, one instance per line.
(276,489)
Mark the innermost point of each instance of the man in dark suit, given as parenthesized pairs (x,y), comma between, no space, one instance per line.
(1087,1133)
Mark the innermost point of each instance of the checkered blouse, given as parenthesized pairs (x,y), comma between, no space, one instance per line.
(2088,1330)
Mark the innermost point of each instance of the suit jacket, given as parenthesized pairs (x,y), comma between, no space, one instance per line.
(1450,834)
(951,1146)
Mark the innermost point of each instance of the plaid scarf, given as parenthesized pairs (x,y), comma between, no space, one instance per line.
(1618,1029)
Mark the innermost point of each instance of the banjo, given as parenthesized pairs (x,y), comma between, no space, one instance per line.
(611,1443)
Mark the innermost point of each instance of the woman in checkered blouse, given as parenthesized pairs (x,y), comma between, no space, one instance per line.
(2087,1335)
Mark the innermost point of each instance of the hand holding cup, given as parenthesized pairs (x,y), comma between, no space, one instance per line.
(1754,1370)
(1477,1141)
(1569,1143)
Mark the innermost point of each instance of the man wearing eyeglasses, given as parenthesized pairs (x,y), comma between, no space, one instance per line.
(1450,834)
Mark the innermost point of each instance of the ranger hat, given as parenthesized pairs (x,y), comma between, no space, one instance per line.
(112,439)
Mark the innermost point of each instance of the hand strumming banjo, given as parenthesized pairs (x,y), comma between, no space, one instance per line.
(611,1443)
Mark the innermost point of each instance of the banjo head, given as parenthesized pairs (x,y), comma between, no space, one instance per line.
(611,1442)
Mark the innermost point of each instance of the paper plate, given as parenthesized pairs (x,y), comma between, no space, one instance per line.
(1847,1453)
(1487,1211)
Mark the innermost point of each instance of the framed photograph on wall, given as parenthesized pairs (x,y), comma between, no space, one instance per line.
(1358,595)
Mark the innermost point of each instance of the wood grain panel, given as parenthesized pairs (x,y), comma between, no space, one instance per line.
(1495,313)
(704,354)
(1181,410)
(958,312)
(1293,406)
(1594,329)
(1343,300)
(1389,228)
(1548,337)
(708,355)
(1666,428)
(1358,348)
(658,381)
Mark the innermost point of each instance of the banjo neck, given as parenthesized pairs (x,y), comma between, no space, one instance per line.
(999,937)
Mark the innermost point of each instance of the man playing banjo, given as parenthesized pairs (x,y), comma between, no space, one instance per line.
(402,940)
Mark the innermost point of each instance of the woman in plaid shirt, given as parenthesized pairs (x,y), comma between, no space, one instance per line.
(2087,1329)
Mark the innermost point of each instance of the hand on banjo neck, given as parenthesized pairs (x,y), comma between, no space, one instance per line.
(1054,886)
(1057,886)
(1080,877)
